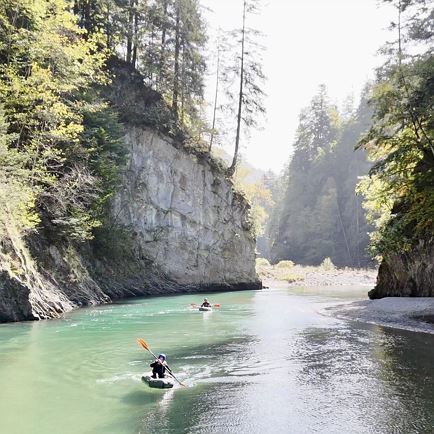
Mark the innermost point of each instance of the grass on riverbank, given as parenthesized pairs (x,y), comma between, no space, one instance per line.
(285,271)
(323,275)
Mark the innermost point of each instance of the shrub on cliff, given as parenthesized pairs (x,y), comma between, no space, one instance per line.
(17,198)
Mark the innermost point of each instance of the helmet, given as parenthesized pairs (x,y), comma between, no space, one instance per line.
(205,299)
(162,356)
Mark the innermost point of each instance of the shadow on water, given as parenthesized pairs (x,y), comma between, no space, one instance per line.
(406,367)
(377,376)
(425,318)
(142,397)
(216,373)
(196,411)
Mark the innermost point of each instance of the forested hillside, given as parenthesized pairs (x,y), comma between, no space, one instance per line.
(80,81)
(317,213)
(61,141)
(400,189)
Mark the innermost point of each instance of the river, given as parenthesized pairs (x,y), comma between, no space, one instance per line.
(267,361)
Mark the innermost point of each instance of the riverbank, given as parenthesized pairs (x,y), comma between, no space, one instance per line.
(405,313)
(286,273)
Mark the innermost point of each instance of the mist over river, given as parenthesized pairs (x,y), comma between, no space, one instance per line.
(267,361)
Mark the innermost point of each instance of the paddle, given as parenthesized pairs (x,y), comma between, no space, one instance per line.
(216,305)
(143,344)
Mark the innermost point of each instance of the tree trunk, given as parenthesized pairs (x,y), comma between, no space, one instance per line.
(163,47)
(231,169)
(135,37)
(107,25)
(130,31)
(176,70)
(215,97)
(182,82)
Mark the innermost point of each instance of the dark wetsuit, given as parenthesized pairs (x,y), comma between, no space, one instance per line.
(158,370)
(205,304)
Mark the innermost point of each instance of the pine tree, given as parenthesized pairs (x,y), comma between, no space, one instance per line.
(250,77)
(320,216)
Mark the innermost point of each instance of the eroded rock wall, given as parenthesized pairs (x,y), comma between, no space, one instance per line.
(184,215)
(190,232)
(408,274)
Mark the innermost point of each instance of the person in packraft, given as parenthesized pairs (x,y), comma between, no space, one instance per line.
(205,303)
(159,366)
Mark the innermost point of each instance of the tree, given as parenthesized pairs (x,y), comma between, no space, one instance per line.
(399,191)
(250,77)
(163,39)
(48,66)
(17,198)
(317,131)
(216,94)
(258,195)
(319,215)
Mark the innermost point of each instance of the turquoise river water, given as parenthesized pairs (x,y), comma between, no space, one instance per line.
(270,361)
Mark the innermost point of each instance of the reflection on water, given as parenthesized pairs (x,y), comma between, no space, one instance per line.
(268,361)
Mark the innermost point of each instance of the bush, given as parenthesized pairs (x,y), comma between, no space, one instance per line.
(285,264)
(290,276)
(113,241)
(262,262)
(327,264)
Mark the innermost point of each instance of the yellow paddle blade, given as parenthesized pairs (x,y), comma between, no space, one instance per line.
(143,344)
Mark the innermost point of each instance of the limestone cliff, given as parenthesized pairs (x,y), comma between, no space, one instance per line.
(184,215)
(190,231)
(409,274)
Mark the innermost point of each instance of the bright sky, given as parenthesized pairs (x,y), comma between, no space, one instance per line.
(308,42)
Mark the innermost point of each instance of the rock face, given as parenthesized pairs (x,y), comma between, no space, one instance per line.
(185,216)
(14,299)
(407,275)
(190,232)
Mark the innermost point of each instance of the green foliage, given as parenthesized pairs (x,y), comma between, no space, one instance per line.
(246,100)
(399,192)
(164,40)
(103,145)
(257,194)
(291,276)
(327,265)
(317,131)
(262,262)
(319,214)
(17,198)
(113,241)
(285,264)
(65,136)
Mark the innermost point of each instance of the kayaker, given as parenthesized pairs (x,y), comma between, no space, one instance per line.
(205,303)
(158,367)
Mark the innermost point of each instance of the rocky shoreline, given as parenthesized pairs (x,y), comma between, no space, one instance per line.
(414,314)
(406,313)
(315,276)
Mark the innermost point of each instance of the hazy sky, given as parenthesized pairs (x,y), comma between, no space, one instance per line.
(308,42)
